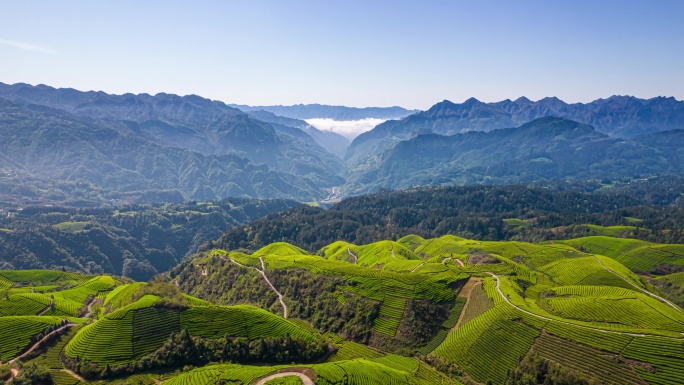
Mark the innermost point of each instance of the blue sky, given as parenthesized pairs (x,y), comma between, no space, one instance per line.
(357,53)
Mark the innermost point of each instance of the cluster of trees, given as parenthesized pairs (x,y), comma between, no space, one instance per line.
(672,288)
(313,298)
(182,349)
(4,373)
(136,241)
(534,370)
(476,212)
(309,297)
(32,374)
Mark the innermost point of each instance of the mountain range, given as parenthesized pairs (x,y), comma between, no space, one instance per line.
(546,148)
(617,116)
(79,148)
(334,143)
(312,111)
(199,148)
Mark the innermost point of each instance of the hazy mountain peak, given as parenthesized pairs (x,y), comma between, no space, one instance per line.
(471,101)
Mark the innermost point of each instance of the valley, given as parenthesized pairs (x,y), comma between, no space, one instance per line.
(128,149)
(341,193)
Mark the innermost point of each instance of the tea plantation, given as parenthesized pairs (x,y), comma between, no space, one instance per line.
(412,311)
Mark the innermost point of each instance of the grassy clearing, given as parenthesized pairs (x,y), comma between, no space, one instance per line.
(74,227)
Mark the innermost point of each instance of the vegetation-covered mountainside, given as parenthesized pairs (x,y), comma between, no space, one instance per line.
(546,148)
(446,310)
(478,310)
(334,143)
(67,147)
(516,212)
(617,116)
(133,241)
(194,147)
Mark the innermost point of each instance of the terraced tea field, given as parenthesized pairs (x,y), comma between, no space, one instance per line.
(576,303)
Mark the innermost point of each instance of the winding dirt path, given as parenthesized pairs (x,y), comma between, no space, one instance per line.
(570,323)
(445,260)
(356,258)
(47,308)
(37,343)
(280,296)
(466,292)
(90,308)
(263,274)
(415,268)
(641,289)
(74,375)
(459,262)
(305,379)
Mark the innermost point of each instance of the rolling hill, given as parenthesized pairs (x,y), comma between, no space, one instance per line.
(414,311)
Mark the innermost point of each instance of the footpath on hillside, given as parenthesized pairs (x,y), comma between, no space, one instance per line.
(287,373)
(465,293)
(498,288)
(263,274)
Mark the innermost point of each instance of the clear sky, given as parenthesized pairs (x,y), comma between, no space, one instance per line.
(344,52)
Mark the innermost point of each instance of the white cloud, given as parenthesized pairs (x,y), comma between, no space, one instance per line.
(25,46)
(347,128)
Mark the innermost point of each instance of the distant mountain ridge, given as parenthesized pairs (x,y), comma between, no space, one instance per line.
(198,147)
(313,111)
(617,116)
(546,148)
(333,142)
(63,146)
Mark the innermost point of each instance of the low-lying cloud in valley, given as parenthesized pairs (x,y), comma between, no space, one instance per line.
(347,128)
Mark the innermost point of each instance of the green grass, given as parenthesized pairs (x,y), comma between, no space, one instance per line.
(611,231)
(479,304)
(368,282)
(449,324)
(393,370)
(584,271)
(70,300)
(62,378)
(5,283)
(591,362)
(140,328)
(476,345)
(515,222)
(23,304)
(240,321)
(665,355)
(51,358)
(385,255)
(74,227)
(634,254)
(31,276)
(612,306)
(351,350)
(121,296)
(280,248)
(16,332)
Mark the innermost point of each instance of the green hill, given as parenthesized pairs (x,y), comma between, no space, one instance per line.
(635,254)
(413,311)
